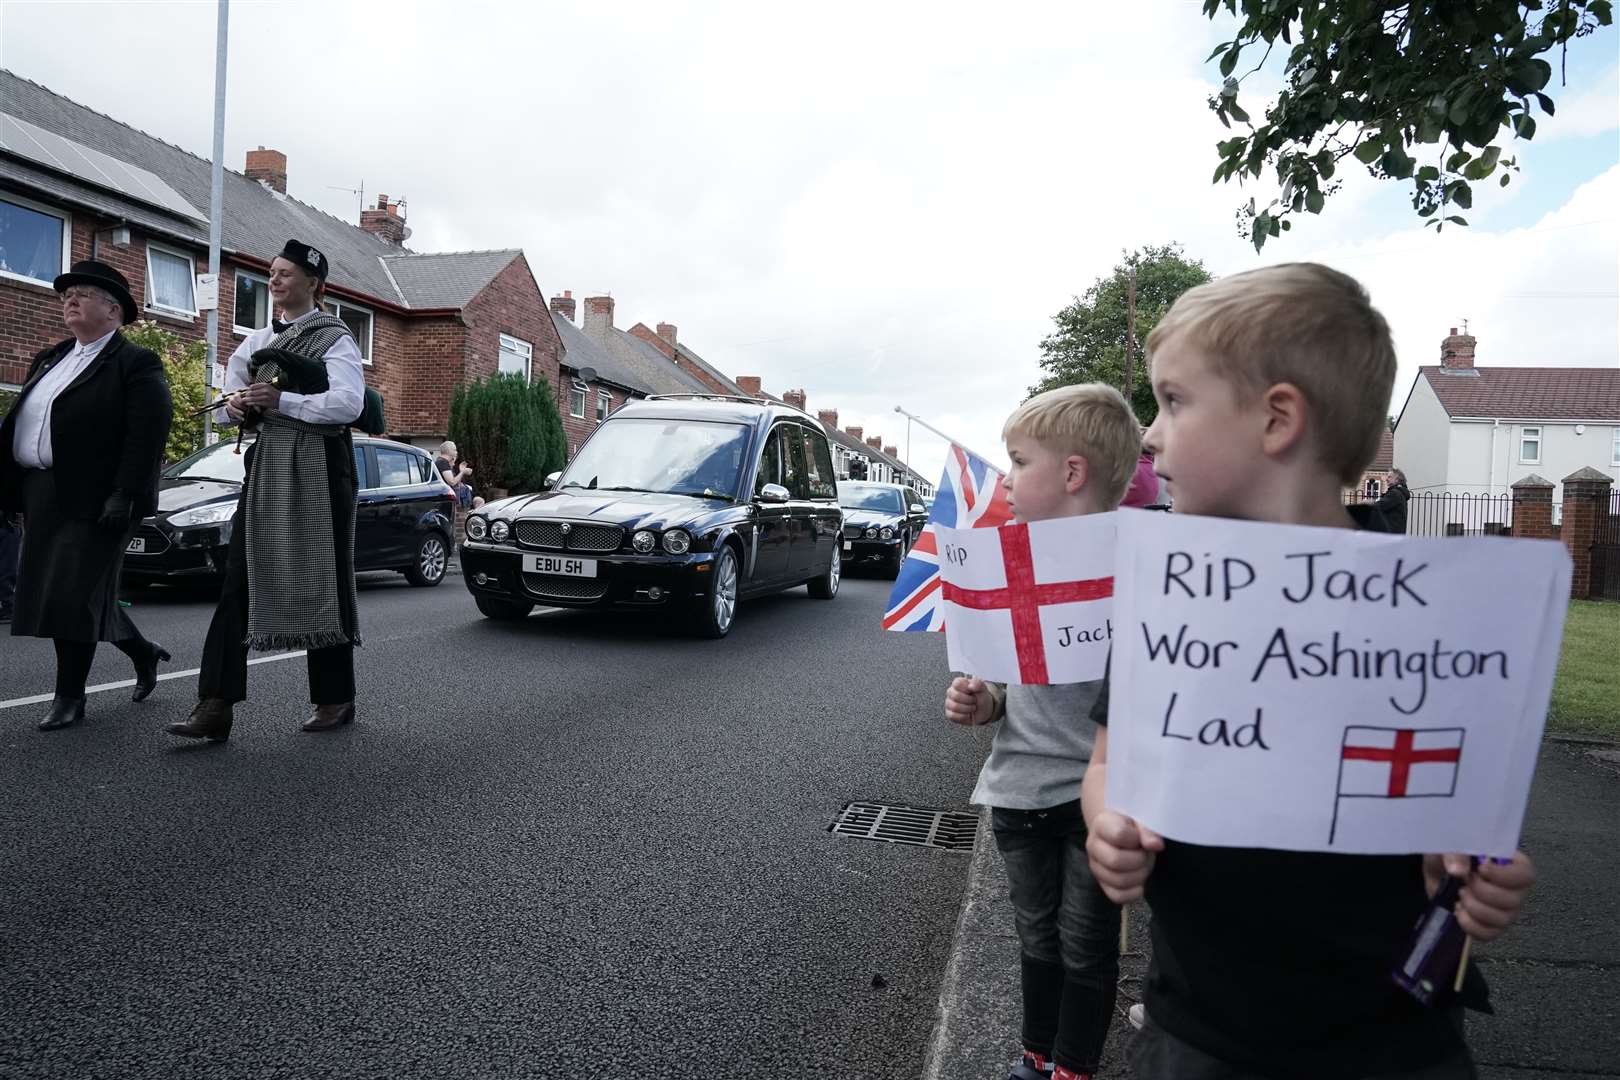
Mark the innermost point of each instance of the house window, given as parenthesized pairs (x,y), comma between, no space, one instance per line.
(171,278)
(34,241)
(516,356)
(1530,446)
(1614,457)
(576,399)
(604,402)
(252,310)
(358,320)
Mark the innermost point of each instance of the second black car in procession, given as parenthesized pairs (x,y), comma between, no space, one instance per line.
(689,503)
(881,522)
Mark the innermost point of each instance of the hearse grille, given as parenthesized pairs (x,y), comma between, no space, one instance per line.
(554,587)
(579,537)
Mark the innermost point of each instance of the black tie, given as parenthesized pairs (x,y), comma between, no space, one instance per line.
(278,326)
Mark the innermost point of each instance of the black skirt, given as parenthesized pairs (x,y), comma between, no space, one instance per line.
(67,579)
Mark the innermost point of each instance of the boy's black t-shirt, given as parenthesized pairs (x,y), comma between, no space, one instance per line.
(1279,961)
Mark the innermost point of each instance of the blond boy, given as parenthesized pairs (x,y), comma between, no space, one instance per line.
(1272,388)
(1073,451)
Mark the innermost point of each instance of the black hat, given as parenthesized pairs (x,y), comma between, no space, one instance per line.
(104,277)
(308,259)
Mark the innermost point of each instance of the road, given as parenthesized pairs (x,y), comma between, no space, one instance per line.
(563,848)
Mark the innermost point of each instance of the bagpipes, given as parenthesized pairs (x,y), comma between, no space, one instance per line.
(293,373)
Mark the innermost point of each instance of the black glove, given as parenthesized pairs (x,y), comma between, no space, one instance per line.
(116,513)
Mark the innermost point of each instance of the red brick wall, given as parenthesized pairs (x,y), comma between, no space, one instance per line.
(577,429)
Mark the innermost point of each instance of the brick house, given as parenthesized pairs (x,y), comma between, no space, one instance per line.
(665,340)
(76,184)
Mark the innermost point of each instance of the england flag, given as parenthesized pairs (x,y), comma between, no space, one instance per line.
(970,497)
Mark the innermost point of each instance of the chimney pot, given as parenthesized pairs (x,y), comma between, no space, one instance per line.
(268,167)
(564,305)
(384,222)
(1457,350)
(599,316)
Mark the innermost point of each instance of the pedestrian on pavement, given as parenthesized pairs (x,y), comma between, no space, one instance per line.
(1393,502)
(1073,452)
(10,546)
(1272,963)
(289,571)
(80,453)
(455,472)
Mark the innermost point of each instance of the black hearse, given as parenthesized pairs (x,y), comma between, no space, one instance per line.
(680,502)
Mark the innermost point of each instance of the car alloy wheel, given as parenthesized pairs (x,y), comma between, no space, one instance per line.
(725,591)
(825,587)
(432,559)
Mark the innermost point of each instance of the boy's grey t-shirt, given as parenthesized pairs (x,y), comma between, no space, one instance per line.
(1039,755)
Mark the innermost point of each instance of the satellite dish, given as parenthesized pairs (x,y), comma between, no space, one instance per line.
(585,374)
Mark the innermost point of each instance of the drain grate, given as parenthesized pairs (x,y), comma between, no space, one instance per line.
(948,830)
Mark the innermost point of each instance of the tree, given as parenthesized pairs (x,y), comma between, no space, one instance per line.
(509,429)
(1384,82)
(1089,342)
(186,365)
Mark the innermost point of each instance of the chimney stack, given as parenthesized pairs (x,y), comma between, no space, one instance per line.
(794,398)
(599,317)
(749,384)
(854,432)
(667,332)
(564,305)
(892,451)
(384,222)
(828,418)
(876,443)
(268,167)
(1457,351)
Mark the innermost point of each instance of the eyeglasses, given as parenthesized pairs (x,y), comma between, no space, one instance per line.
(85,294)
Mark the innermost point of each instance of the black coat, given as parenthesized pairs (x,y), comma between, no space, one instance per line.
(1392,504)
(108,429)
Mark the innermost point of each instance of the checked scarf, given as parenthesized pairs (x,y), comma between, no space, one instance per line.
(296,599)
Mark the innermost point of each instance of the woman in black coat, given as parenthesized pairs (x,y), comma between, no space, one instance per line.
(79,457)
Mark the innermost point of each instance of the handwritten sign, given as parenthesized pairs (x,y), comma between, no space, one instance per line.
(1328,690)
(1030,603)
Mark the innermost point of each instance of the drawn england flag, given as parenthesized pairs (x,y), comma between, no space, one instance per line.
(1396,763)
(970,497)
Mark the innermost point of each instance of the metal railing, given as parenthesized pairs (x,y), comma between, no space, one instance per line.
(1440,513)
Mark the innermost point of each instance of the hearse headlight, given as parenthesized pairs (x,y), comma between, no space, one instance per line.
(870,533)
(644,541)
(677,542)
(499,531)
(885,533)
(477,527)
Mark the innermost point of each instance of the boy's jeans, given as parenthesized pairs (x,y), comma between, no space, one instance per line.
(1068,932)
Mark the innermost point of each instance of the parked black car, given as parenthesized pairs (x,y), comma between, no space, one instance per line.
(686,502)
(405,520)
(880,522)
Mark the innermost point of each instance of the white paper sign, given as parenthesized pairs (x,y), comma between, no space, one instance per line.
(1330,690)
(1030,603)
(207,292)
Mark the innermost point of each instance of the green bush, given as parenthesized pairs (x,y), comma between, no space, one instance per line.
(186,365)
(508,428)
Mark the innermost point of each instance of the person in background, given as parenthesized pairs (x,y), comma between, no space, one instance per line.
(1392,503)
(455,472)
(79,456)
(1144,489)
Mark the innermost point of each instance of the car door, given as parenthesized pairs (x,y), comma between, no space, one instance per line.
(823,519)
(916,514)
(773,537)
(801,511)
(401,491)
(367,525)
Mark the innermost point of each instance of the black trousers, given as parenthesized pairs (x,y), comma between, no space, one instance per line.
(224,662)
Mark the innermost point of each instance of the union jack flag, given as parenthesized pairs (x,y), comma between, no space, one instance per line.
(970,497)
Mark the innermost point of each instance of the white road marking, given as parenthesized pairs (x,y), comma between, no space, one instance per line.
(38,699)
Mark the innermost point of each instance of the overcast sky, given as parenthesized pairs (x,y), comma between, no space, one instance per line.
(883,204)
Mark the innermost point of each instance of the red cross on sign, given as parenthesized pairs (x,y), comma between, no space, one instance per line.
(1401,758)
(1024,599)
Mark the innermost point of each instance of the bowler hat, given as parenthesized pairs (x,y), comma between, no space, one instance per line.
(104,277)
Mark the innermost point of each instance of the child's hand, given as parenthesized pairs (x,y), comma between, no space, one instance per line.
(967,701)
(1492,893)
(1122,854)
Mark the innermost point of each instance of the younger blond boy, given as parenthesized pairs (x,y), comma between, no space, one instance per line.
(1073,451)
(1272,388)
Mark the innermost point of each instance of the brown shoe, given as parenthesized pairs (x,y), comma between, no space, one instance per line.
(327,717)
(211,719)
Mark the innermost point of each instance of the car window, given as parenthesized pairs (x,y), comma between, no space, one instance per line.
(360,467)
(679,457)
(770,462)
(797,481)
(818,462)
(884,500)
(396,468)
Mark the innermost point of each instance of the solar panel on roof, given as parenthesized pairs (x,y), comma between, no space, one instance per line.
(92,166)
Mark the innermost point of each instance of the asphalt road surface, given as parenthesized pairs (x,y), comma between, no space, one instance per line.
(581,846)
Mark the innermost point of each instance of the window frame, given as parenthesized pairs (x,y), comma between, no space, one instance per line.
(269,302)
(64,216)
(333,306)
(576,387)
(604,404)
(508,343)
(377,458)
(191,263)
(1524,437)
(813,463)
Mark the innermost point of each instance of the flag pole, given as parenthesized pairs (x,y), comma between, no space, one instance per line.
(216,209)
(930,427)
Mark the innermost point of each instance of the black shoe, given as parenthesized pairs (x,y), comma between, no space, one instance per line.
(327,717)
(65,712)
(146,679)
(211,719)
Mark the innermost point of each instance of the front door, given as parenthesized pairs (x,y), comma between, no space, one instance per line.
(773,522)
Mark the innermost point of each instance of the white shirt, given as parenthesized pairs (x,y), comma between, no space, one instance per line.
(345,373)
(31,441)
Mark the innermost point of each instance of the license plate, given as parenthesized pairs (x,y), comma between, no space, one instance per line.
(560,565)
(137,546)
(848,546)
